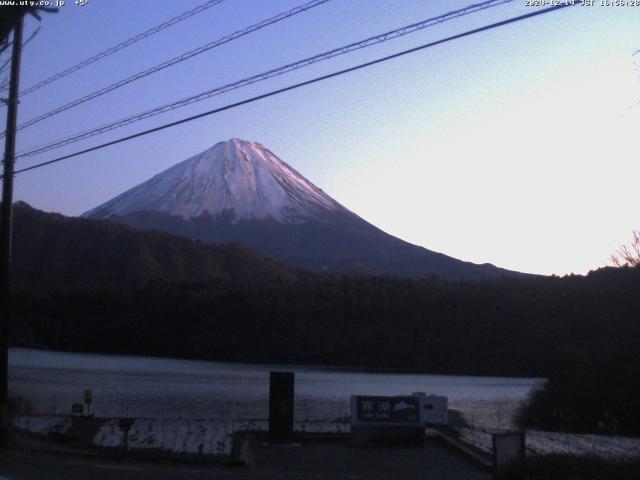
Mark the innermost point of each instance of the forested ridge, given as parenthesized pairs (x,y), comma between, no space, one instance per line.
(502,327)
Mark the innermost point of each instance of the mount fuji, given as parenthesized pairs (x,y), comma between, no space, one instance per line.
(238,191)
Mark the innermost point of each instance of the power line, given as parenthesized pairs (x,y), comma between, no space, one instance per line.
(122,45)
(265,75)
(174,61)
(24,44)
(301,84)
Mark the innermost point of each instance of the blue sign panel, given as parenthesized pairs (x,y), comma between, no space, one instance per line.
(387,410)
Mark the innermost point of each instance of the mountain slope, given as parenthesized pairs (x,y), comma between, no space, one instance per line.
(239,191)
(52,250)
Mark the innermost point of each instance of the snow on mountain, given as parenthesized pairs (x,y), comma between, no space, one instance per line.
(239,176)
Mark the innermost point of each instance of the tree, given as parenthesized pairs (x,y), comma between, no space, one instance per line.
(628,255)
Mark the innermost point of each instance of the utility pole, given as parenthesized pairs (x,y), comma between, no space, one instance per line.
(6,225)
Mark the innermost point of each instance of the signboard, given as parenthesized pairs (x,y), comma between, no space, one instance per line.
(370,410)
(88,395)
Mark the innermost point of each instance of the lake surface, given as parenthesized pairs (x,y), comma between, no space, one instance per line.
(170,388)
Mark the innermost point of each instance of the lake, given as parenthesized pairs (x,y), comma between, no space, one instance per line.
(172,388)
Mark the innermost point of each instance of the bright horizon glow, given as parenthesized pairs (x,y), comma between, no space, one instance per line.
(513,147)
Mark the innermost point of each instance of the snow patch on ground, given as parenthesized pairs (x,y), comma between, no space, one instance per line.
(215,437)
(204,437)
(547,443)
(488,413)
(48,425)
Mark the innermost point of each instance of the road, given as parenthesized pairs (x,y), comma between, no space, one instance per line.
(316,461)
(19,466)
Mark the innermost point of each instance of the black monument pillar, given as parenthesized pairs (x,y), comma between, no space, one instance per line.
(281,406)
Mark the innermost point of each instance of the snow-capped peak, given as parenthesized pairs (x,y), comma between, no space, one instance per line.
(239,176)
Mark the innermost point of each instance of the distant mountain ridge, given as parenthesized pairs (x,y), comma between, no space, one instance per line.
(239,191)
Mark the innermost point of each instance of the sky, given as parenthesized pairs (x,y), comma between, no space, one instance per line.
(516,146)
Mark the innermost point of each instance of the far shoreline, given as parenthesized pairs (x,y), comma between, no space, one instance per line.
(279,366)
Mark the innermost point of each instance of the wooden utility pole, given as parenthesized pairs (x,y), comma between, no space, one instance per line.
(6,225)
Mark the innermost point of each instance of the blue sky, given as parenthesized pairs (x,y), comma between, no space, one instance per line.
(516,146)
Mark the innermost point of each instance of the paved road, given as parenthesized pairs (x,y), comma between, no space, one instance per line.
(338,460)
(23,466)
(311,461)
